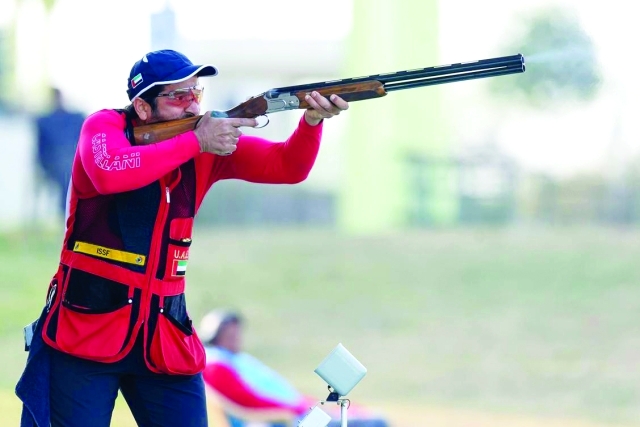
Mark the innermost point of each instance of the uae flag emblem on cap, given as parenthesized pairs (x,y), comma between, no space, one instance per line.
(179,267)
(136,80)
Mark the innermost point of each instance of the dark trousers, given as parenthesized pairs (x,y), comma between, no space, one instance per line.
(83,393)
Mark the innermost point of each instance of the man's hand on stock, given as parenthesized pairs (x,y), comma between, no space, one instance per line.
(220,136)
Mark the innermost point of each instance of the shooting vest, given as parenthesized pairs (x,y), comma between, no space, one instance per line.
(122,273)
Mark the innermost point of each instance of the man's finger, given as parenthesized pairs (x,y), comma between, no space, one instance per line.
(239,122)
(339,102)
(321,101)
(312,102)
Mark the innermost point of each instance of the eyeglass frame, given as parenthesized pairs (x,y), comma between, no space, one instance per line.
(171,94)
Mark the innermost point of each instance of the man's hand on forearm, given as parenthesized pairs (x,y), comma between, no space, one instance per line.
(323,108)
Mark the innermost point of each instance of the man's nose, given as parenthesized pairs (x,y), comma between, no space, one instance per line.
(193,108)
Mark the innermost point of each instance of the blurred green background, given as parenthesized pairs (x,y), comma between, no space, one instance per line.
(474,245)
(516,326)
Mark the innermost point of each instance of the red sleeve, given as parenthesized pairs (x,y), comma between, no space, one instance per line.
(113,165)
(226,382)
(262,161)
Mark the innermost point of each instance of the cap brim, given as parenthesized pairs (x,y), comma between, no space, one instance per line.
(182,75)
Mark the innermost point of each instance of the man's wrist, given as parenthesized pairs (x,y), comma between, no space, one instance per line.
(311,121)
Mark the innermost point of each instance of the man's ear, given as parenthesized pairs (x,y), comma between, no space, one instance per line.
(142,107)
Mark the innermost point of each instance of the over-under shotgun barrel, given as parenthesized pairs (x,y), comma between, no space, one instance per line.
(425,76)
(351,89)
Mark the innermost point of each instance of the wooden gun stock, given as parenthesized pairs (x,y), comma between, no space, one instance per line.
(148,134)
(352,89)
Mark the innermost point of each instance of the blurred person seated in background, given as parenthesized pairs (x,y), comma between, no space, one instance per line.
(57,134)
(250,392)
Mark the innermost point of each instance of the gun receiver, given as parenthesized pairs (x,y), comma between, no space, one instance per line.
(351,89)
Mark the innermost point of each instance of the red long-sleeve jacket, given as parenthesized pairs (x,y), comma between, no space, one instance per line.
(126,247)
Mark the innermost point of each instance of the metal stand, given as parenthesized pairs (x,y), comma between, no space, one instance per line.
(343,412)
(344,405)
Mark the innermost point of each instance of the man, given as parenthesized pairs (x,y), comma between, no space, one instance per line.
(115,318)
(56,135)
(248,391)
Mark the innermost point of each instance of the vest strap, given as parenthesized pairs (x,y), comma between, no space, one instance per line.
(112,254)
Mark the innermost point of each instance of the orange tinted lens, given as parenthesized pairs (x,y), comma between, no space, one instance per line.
(182,95)
(187,95)
(197,94)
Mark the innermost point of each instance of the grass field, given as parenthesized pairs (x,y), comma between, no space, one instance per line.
(514,327)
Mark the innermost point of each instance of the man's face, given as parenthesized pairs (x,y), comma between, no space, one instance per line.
(230,337)
(177,101)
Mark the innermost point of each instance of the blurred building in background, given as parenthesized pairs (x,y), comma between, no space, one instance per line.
(431,157)
(376,192)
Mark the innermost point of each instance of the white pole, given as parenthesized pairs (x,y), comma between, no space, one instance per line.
(343,413)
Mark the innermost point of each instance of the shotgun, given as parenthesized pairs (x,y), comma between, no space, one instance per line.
(352,89)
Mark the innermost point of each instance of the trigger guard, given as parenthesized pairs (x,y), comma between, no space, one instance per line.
(267,122)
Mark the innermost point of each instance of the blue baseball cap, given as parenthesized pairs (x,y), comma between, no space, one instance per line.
(163,67)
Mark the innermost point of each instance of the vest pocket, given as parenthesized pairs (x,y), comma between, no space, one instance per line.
(178,245)
(96,316)
(174,347)
(177,259)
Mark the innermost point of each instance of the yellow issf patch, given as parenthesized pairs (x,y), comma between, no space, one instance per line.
(112,254)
